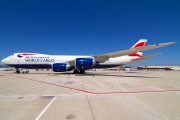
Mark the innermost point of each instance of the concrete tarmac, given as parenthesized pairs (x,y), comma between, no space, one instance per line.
(100,95)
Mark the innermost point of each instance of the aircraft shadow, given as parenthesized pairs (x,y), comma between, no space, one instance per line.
(91,74)
(96,74)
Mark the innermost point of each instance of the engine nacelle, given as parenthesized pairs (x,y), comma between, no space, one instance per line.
(84,63)
(60,67)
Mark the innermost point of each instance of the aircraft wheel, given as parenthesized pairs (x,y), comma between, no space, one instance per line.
(76,71)
(82,71)
(17,71)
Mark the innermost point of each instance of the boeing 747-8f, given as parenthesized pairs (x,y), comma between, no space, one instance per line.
(62,63)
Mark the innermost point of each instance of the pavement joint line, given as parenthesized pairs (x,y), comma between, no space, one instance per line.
(85,91)
(88,100)
(42,112)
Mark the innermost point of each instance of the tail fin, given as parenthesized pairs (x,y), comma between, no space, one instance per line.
(140,43)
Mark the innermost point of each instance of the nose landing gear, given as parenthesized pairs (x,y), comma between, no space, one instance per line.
(17,71)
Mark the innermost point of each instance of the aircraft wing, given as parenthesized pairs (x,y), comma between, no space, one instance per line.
(104,57)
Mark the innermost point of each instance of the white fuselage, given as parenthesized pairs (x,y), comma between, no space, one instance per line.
(36,61)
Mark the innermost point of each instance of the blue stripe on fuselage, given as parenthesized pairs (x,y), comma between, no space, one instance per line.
(106,66)
(48,66)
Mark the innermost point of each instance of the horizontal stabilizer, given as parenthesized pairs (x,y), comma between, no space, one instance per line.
(145,57)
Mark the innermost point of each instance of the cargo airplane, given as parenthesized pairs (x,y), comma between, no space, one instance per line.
(62,63)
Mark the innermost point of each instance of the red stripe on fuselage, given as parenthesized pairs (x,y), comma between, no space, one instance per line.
(135,55)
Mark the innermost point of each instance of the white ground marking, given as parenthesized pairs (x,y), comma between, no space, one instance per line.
(39,116)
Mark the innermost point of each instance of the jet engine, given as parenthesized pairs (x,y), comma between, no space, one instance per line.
(84,63)
(60,67)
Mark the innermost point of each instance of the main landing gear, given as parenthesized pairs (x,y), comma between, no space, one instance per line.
(82,71)
(76,71)
(17,71)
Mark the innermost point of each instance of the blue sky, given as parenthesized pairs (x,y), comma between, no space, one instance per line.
(90,27)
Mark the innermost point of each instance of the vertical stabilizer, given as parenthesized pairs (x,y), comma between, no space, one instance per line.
(140,43)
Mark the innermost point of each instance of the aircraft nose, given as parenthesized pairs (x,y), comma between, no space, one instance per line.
(5,61)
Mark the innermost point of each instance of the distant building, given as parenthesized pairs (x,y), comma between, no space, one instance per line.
(134,68)
(165,68)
